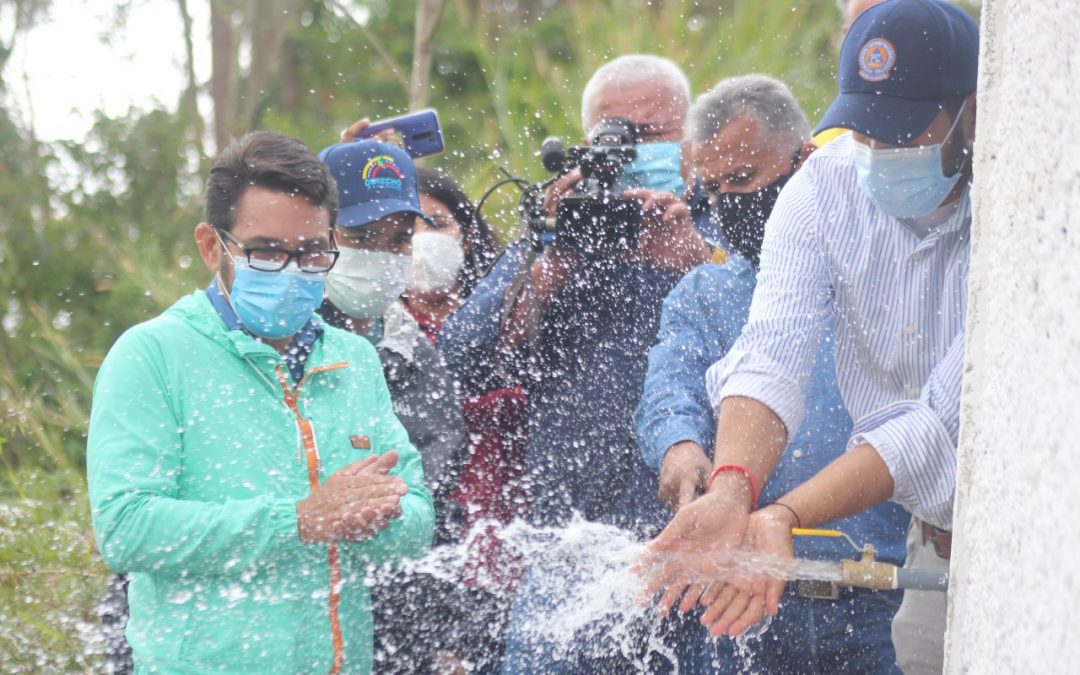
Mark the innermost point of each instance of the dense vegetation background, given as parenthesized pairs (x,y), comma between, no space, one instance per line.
(95,235)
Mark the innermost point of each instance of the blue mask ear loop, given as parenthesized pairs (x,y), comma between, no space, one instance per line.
(221,282)
(952,129)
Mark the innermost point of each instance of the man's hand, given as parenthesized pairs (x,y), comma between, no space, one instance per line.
(352,504)
(684,471)
(448,663)
(372,518)
(744,602)
(668,239)
(350,132)
(696,548)
(563,186)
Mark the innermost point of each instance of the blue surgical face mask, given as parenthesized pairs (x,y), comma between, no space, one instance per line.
(655,168)
(274,305)
(905,182)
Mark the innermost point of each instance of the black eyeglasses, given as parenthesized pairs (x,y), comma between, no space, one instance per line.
(267,259)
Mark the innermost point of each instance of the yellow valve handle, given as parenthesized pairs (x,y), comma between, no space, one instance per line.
(866,549)
(809,532)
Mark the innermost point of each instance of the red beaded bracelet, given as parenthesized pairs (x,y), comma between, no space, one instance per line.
(754,489)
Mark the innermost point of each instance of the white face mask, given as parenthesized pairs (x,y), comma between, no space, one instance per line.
(364,284)
(437,261)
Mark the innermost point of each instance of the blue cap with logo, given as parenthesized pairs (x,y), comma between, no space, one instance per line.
(901,61)
(374,180)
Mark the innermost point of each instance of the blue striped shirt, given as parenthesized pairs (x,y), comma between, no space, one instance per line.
(899,298)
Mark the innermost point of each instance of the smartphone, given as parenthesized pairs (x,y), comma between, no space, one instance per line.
(420,132)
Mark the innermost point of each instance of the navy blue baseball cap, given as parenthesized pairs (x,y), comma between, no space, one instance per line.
(374,180)
(901,61)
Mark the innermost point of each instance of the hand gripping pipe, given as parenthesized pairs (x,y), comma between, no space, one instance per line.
(867,572)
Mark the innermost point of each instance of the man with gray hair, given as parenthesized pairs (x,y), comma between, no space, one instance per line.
(747,136)
(872,234)
(646,75)
(577,337)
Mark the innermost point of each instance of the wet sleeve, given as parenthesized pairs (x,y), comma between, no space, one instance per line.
(469,339)
(674,406)
(917,441)
(773,358)
(134,459)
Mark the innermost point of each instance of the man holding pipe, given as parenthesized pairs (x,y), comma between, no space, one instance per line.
(873,233)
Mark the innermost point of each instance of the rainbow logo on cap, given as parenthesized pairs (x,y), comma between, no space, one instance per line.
(876,60)
(381,172)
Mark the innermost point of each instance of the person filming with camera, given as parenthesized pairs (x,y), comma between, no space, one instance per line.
(571,310)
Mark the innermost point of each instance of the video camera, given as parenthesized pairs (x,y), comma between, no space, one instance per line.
(594,221)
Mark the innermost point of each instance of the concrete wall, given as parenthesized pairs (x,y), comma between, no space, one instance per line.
(1015,597)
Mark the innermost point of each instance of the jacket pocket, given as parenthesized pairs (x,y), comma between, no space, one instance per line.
(160,620)
(241,627)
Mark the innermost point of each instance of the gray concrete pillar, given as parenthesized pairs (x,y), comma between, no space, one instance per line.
(1015,595)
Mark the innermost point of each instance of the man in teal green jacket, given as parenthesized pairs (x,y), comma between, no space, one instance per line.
(245,465)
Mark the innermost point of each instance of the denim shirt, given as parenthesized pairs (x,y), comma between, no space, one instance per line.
(700,321)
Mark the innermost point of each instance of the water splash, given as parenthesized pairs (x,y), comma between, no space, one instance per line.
(594,599)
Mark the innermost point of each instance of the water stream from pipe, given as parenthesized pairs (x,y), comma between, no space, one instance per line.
(594,598)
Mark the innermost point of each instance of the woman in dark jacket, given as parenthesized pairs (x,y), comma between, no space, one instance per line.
(452,249)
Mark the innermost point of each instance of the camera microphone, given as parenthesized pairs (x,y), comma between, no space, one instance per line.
(553,154)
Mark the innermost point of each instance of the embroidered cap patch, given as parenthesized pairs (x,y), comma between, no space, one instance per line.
(382,172)
(876,60)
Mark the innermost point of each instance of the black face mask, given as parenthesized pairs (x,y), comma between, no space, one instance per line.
(742,217)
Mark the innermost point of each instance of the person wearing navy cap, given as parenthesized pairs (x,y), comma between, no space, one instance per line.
(874,233)
(421,624)
(379,204)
